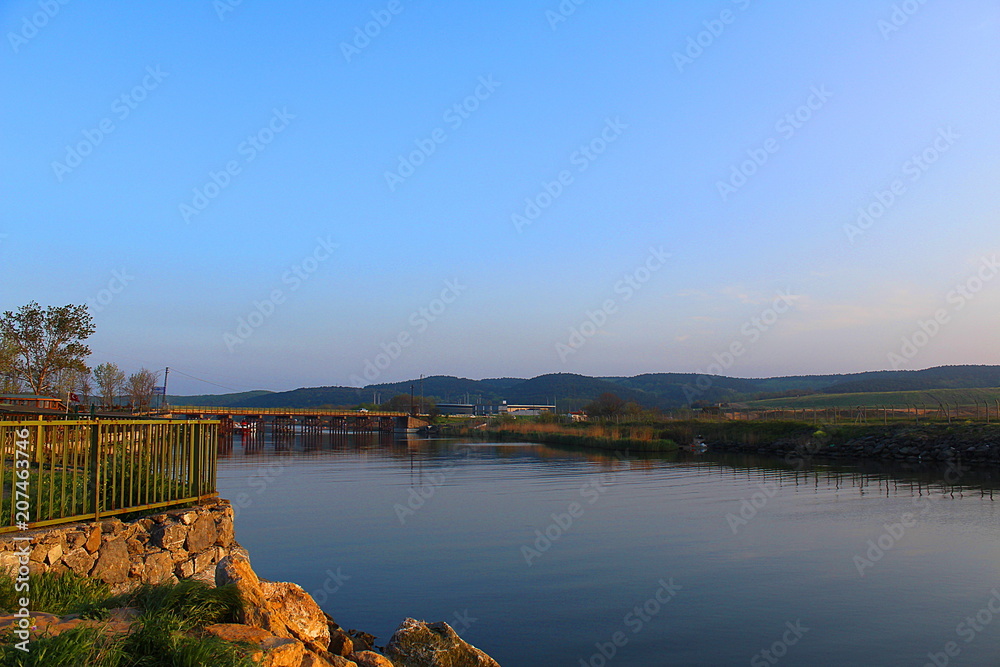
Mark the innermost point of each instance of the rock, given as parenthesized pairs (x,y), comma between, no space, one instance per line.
(185,570)
(304,617)
(284,610)
(8,562)
(170,537)
(420,644)
(93,542)
(54,554)
(282,652)
(113,563)
(207,577)
(274,651)
(50,625)
(237,632)
(362,640)
(37,553)
(80,561)
(340,643)
(159,568)
(225,533)
(327,660)
(370,659)
(135,546)
(204,561)
(75,539)
(202,534)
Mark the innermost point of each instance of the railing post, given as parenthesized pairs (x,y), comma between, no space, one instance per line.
(196,453)
(95,468)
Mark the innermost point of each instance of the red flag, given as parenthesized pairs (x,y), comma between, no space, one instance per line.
(74,398)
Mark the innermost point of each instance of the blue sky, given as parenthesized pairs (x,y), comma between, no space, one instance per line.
(261,195)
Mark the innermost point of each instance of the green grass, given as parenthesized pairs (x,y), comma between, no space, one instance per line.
(165,633)
(196,603)
(54,593)
(901,399)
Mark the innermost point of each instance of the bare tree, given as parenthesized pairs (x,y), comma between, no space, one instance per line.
(110,382)
(71,380)
(44,341)
(140,387)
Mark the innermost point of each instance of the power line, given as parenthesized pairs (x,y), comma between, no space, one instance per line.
(215,384)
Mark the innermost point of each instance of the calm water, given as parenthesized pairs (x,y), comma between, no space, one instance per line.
(653,561)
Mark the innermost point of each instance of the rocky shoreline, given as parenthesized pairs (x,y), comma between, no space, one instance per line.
(283,621)
(971,445)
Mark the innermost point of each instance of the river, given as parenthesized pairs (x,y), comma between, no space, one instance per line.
(542,556)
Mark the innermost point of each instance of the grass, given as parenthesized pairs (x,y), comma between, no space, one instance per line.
(899,399)
(165,634)
(636,438)
(668,436)
(54,593)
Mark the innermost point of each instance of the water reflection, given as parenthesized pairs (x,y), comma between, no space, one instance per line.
(867,477)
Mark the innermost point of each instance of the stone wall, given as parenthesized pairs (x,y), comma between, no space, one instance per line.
(176,544)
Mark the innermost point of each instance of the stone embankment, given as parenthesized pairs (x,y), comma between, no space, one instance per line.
(179,544)
(970,444)
(282,620)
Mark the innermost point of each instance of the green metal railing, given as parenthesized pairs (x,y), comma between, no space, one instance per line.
(79,470)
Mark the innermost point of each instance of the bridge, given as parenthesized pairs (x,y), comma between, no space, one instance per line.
(314,420)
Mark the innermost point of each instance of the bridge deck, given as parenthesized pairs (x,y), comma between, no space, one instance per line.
(308,412)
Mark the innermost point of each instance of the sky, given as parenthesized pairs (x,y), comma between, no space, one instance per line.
(266,195)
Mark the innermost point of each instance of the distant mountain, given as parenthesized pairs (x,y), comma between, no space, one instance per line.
(572,391)
(311,397)
(940,377)
(670,390)
(447,389)
(501,383)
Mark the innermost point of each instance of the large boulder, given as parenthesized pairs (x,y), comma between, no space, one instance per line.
(421,644)
(302,615)
(283,609)
(113,562)
(202,534)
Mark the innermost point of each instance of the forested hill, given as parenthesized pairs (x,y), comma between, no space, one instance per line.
(571,391)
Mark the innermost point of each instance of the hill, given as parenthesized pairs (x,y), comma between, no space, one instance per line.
(652,390)
(218,400)
(571,391)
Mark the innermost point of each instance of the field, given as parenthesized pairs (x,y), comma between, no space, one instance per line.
(900,399)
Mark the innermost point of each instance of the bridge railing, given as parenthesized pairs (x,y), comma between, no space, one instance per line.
(77,470)
(209,410)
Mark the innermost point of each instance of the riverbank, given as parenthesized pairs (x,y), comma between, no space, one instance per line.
(168,556)
(618,440)
(970,444)
(973,444)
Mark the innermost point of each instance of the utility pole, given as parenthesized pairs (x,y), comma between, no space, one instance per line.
(421,393)
(163,399)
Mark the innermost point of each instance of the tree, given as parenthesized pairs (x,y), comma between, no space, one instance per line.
(605,405)
(402,403)
(139,386)
(45,341)
(9,383)
(110,382)
(71,380)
